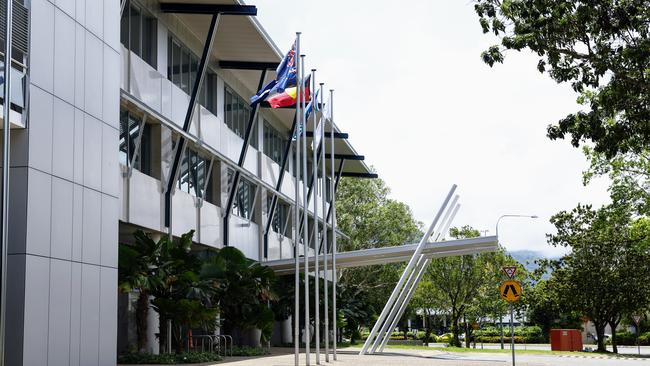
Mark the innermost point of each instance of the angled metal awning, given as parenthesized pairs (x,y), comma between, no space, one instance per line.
(401,253)
(243,47)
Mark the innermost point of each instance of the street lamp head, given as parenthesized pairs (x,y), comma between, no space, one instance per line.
(534,217)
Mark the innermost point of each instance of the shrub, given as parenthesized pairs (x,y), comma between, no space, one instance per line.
(444,338)
(626,339)
(167,358)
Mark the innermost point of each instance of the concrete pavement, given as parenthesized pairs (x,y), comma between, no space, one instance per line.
(404,357)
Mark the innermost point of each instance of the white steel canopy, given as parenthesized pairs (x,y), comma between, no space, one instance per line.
(401,253)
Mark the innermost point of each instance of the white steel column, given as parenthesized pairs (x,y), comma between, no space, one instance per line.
(420,273)
(333,204)
(412,280)
(405,275)
(296,226)
(324,241)
(314,164)
(305,203)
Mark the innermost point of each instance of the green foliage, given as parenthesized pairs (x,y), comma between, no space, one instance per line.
(245,351)
(545,308)
(371,219)
(465,286)
(192,288)
(245,291)
(168,358)
(629,174)
(601,47)
(526,334)
(604,276)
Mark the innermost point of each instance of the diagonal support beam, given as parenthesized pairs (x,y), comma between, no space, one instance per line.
(407,271)
(180,146)
(412,282)
(420,272)
(242,157)
(278,186)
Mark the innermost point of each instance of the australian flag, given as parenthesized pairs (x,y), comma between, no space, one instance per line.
(286,75)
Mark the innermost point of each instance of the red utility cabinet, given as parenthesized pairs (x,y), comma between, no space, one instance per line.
(566,340)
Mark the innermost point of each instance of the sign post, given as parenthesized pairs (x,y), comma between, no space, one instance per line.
(510,291)
(637,320)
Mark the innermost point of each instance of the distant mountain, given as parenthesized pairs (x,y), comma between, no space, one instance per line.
(527,258)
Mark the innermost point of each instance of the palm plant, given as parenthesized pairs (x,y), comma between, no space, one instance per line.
(138,271)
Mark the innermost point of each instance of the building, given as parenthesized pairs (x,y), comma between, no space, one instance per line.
(100,99)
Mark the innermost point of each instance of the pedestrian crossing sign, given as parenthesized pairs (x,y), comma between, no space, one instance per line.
(510,290)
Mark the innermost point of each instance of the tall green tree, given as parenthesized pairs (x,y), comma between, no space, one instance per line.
(600,47)
(371,219)
(605,275)
(428,300)
(458,280)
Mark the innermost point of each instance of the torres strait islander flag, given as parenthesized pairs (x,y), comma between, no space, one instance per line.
(282,91)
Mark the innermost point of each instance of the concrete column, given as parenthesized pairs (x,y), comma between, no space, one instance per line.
(153,346)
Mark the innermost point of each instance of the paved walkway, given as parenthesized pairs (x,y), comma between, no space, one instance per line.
(403,357)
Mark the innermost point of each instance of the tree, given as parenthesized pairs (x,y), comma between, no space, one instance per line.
(245,290)
(137,271)
(629,174)
(427,299)
(371,220)
(601,47)
(544,307)
(458,279)
(605,275)
(187,293)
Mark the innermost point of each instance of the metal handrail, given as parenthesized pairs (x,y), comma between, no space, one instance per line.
(231,343)
(203,338)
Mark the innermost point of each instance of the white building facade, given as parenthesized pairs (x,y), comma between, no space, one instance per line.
(99,100)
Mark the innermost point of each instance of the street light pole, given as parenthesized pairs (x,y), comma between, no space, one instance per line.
(497,235)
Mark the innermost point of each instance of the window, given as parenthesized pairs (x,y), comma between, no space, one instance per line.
(193,175)
(130,126)
(182,70)
(244,203)
(238,114)
(139,32)
(182,65)
(274,144)
(280,219)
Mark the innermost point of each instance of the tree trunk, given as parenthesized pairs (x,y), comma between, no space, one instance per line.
(141,312)
(455,341)
(467,345)
(600,333)
(614,346)
(178,335)
(162,338)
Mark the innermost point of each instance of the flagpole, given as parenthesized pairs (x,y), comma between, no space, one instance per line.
(333,203)
(305,221)
(296,226)
(324,241)
(314,164)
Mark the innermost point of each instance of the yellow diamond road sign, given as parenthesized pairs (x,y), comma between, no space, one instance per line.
(510,290)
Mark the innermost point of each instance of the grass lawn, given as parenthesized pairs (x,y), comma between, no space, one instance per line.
(518,351)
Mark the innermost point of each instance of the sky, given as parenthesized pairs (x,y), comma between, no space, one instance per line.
(426,112)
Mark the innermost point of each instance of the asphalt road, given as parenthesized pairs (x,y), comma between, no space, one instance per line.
(626,350)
